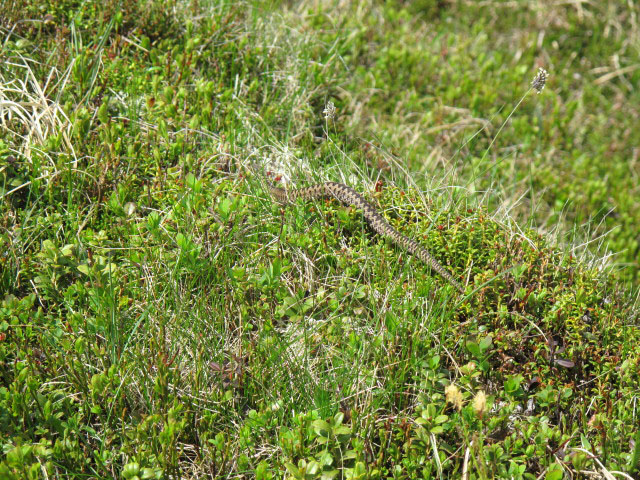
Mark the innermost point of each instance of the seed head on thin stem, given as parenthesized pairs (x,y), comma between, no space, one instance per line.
(329,111)
(537,84)
(539,80)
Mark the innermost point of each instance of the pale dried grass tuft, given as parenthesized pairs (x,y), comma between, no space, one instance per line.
(28,110)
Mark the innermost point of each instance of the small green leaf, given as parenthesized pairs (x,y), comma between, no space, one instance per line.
(293,470)
(325,458)
(313,467)
(103,114)
(360,469)
(486,343)
(349,455)
(182,241)
(441,419)
(433,362)
(224,208)
(131,470)
(343,215)
(555,472)
(474,349)
(321,428)
(238,273)
(329,474)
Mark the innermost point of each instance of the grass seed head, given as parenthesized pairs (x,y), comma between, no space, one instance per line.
(453,396)
(329,111)
(480,403)
(539,80)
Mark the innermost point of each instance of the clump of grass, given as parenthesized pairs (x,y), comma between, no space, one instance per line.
(161,316)
(27,110)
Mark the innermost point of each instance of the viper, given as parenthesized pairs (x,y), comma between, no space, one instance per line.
(349,196)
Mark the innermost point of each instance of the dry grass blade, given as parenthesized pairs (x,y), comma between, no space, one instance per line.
(27,111)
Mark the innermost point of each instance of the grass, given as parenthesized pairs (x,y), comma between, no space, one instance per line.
(162,317)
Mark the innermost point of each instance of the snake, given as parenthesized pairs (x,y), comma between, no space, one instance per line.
(378,223)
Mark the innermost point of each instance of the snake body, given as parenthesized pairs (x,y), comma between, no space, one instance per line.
(349,196)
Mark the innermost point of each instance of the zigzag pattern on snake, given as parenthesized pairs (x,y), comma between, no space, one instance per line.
(349,196)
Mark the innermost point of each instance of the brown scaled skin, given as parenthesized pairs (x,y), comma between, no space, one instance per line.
(349,196)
